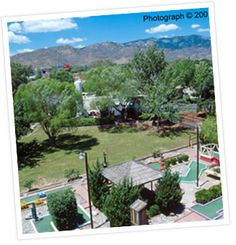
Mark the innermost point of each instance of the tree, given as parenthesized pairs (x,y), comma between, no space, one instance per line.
(50,103)
(62,207)
(117,203)
(63,76)
(204,86)
(168,192)
(147,65)
(98,186)
(209,130)
(19,74)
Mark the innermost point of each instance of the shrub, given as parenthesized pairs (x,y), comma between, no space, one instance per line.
(153,211)
(168,192)
(173,160)
(28,184)
(38,201)
(156,153)
(117,203)
(180,158)
(71,174)
(204,195)
(185,157)
(24,205)
(167,163)
(62,207)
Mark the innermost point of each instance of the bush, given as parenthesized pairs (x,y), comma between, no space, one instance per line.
(156,154)
(204,195)
(180,158)
(71,174)
(28,184)
(185,157)
(62,207)
(167,163)
(173,160)
(117,203)
(38,201)
(168,192)
(153,211)
(24,205)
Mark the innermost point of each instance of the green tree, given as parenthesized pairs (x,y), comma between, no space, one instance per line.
(62,207)
(147,65)
(168,192)
(204,86)
(208,132)
(63,76)
(98,185)
(50,103)
(19,74)
(117,203)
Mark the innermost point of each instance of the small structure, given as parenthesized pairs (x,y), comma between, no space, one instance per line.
(210,154)
(135,171)
(138,213)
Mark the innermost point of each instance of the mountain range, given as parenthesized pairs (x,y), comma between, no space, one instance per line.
(179,47)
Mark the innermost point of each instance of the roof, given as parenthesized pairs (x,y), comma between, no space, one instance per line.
(138,205)
(132,170)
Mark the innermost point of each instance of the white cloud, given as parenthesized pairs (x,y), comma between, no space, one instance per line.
(79,46)
(25,50)
(43,25)
(65,41)
(19,39)
(165,36)
(16,27)
(194,26)
(162,28)
(203,30)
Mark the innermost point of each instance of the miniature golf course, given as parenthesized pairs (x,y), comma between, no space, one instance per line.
(192,172)
(45,223)
(34,197)
(210,210)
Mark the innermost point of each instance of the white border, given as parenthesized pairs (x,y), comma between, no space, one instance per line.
(210,6)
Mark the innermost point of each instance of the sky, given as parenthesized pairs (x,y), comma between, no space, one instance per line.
(27,36)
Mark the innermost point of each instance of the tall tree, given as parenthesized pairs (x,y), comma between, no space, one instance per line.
(19,74)
(117,203)
(50,103)
(168,192)
(147,65)
(204,86)
(98,186)
(63,76)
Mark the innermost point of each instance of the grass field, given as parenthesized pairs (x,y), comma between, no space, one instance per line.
(46,164)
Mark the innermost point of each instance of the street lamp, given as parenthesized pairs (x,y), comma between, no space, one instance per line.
(82,156)
(198,144)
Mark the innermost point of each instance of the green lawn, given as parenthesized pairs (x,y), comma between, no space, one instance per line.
(46,164)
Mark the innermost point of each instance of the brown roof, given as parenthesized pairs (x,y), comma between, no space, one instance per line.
(132,170)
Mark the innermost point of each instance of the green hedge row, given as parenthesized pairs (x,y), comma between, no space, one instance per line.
(204,195)
(173,160)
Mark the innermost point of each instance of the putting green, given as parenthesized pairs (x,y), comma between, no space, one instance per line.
(191,175)
(155,165)
(210,210)
(44,224)
(34,197)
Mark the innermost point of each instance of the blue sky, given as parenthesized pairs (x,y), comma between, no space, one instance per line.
(27,36)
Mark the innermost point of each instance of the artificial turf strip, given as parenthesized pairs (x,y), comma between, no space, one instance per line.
(210,210)
(44,224)
(34,197)
(192,173)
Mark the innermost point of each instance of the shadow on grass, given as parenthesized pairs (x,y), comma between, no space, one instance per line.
(29,154)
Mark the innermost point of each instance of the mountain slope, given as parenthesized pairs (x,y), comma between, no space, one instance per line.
(192,46)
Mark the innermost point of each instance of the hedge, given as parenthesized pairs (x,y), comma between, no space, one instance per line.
(206,195)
